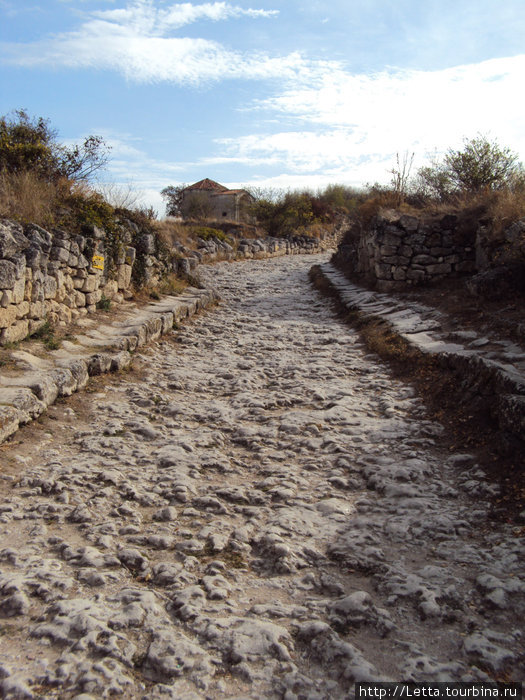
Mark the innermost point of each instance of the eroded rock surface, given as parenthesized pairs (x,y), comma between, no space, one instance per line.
(259,510)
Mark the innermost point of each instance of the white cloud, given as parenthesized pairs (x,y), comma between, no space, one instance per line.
(135,40)
(353,125)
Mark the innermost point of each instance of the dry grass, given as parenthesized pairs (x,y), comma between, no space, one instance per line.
(171,232)
(504,208)
(26,198)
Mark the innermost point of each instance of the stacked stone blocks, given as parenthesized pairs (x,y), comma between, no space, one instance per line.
(398,250)
(51,277)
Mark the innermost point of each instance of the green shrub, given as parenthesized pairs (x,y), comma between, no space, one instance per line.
(206,233)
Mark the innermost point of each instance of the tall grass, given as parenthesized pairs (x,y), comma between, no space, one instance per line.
(25,197)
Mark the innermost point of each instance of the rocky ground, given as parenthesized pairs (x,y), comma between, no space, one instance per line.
(258,510)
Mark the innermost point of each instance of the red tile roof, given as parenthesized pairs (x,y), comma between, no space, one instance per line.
(207,184)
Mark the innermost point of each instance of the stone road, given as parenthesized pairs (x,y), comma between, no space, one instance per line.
(258,510)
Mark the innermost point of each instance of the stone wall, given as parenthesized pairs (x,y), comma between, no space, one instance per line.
(57,276)
(54,277)
(398,250)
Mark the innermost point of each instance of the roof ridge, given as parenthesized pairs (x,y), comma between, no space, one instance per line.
(207,184)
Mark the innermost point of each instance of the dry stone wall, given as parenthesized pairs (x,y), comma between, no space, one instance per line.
(54,276)
(58,276)
(399,250)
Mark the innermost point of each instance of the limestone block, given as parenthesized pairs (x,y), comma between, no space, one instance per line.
(8,274)
(78,282)
(90,283)
(92,298)
(6,297)
(99,364)
(395,260)
(22,309)
(110,289)
(28,290)
(72,260)
(35,324)
(409,223)
(18,331)
(19,290)
(391,239)
(79,371)
(424,260)
(416,275)
(7,316)
(80,299)
(61,293)
(383,272)
(439,269)
(37,293)
(64,314)
(44,388)
(440,251)
(68,283)
(400,273)
(35,258)
(69,301)
(50,287)
(59,254)
(8,421)
(37,309)
(124,276)
(388,250)
(82,263)
(12,238)
(64,380)
(120,361)
(130,255)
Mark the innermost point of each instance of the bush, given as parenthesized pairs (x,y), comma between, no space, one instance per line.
(29,144)
(481,166)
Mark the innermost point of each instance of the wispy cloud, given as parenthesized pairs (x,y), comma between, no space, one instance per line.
(136,41)
(355,121)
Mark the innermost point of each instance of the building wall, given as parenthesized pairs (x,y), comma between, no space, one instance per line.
(218,206)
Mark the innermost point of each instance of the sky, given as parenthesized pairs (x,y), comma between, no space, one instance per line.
(269,94)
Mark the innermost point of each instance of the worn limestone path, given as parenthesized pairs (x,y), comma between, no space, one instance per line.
(258,510)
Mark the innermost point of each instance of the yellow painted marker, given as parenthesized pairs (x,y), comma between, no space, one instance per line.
(98,262)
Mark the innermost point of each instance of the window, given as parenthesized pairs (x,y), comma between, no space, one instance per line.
(225,213)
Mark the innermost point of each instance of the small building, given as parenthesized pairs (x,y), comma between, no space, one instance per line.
(208,199)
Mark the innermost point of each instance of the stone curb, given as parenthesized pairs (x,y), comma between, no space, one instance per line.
(499,384)
(26,396)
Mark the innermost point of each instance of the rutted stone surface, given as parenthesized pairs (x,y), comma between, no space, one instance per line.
(260,510)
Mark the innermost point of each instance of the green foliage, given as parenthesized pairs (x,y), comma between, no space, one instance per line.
(46,333)
(104,304)
(482,165)
(206,232)
(173,196)
(292,213)
(28,143)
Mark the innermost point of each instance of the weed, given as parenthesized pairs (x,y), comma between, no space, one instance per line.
(46,333)
(104,304)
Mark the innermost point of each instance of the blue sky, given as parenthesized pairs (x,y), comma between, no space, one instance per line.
(300,93)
